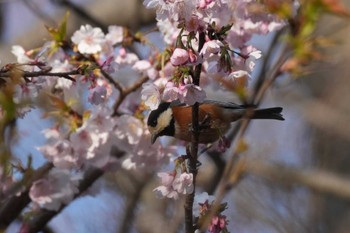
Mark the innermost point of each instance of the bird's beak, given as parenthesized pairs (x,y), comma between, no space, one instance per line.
(154,138)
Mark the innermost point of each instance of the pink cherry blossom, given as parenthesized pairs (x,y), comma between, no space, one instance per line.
(55,190)
(184,183)
(179,57)
(130,128)
(211,47)
(21,54)
(166,189)
(171,92)
(173,184)
(125,58)
(115,34)
(145,68)
(169,31)
(218,224)
(151,95)
(201,198)
(88,39)
(190,94)
(98,95)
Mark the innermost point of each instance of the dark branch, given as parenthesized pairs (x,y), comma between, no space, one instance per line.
(11,208)
(193,150)
(43,216)
(27,74)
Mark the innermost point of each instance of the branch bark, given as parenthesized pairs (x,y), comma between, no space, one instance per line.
(319,180)
(43,216)
(12,207)
(193,150)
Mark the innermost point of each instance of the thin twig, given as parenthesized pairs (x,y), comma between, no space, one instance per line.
(125,92)
(28,74)
(116,84)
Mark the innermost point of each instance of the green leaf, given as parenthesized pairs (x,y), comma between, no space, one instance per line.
(59,34)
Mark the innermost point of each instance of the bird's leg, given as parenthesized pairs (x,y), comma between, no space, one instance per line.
(205,123)
(188,149)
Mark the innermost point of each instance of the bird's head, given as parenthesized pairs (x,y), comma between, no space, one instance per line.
(161,122)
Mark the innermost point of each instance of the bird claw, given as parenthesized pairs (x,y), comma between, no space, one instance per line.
(204,124)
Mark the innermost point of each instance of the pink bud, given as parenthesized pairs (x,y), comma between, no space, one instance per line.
(179,57)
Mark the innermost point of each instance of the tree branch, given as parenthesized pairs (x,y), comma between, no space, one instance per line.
(193,150)
(28,74)
(43,216)
(12,207)
(316,179)
(125,92)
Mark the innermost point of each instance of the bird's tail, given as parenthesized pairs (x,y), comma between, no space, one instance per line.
(268,113)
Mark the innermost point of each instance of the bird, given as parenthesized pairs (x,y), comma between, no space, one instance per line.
(215,117)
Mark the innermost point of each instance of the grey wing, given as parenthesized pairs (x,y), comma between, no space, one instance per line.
(222,104)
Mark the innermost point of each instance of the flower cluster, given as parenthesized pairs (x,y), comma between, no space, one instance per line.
(174,184)
(58,188)
(202,208)
(100,117)
(227,25)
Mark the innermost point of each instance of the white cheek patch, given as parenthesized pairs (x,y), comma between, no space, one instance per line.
(164,120)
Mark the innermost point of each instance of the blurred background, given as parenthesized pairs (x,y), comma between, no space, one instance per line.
(313,144)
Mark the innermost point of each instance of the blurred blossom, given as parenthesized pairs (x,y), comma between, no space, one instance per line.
(168,30)
(190,94)
(125,58)
(171,92)
(21,54)
(98,95)
(194,58)
(210,48)
(115,34)
(51,134)
(174,184)
(176,10)
(60,153)
(184,183)
(195,24)
(130,128)
(88,144)
(88,39)
(100,120)
(57,189)
(148,156)
(218,224)
(179,57)
(248,62)
(223,144)
(201,198)
(151,95)
(166,189)
(145,68)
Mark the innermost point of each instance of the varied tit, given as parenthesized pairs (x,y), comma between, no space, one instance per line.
(174,119)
